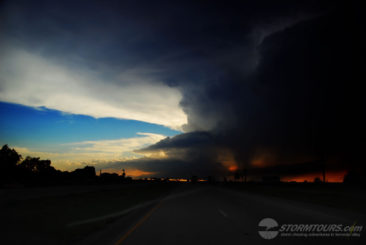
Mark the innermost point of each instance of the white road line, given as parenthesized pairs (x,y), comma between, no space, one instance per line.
(113,215)
(222,213)
(123,212)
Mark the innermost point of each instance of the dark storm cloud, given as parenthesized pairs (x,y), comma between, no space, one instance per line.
(187,140)
(171,40)
(296,96)
(185,155)
(175,168)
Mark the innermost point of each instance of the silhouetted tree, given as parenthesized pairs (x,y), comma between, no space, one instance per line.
(35,165)
(9,159)
(35,171)
(86,174)
(111,178)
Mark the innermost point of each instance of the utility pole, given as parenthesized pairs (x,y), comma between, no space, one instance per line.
(123,173)
(323,166)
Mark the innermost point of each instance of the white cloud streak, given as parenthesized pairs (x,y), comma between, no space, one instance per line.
(30,79)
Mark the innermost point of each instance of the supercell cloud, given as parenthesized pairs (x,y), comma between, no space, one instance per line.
(268,86)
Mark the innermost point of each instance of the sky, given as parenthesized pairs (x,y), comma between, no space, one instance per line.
(185,88)
(72,140)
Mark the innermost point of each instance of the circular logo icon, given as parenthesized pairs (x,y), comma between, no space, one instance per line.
(267,228)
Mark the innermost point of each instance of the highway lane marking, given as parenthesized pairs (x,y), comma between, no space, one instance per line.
(113,215)
(128,210)
(139,223)
(151,211)
(222,213)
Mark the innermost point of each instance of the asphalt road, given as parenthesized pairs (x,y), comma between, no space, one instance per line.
(213,215)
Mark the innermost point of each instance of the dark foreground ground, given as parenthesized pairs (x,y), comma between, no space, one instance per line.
(177,213)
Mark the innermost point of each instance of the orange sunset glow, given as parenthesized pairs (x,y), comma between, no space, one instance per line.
(233,168)
(134,173)
(334,177)
(227,159)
